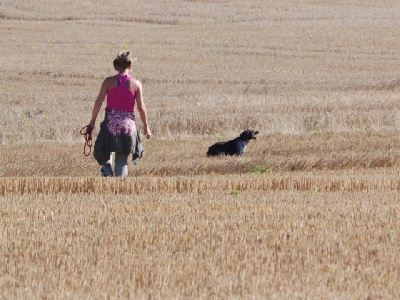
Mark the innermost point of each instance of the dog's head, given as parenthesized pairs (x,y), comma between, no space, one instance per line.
(248,135)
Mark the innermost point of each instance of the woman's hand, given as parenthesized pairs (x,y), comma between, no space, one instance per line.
(147,132)
(90,128)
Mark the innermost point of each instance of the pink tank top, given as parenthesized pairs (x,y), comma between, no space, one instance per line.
(121,97)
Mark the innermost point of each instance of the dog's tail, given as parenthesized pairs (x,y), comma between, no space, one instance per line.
(212,151)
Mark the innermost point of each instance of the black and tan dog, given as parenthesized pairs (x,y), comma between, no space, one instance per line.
(237,146)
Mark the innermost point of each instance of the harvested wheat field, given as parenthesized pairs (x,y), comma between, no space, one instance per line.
(311,211)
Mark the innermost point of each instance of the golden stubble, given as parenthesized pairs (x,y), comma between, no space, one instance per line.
(167,244)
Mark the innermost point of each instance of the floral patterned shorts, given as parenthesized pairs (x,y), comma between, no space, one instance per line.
(121,122)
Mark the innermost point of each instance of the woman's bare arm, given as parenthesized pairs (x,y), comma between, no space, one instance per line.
(142,108)
(99,101)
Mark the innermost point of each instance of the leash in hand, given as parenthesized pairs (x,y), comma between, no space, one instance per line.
(86,131)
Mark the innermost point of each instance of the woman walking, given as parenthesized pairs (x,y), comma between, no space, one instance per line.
(118,132)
